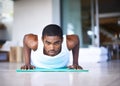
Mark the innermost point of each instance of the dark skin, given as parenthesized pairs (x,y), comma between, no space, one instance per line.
(52,47)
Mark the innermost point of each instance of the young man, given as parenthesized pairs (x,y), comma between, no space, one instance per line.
(51,50)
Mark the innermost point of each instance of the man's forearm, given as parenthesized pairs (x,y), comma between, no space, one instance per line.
(27,58)
(26,54)
(75,53)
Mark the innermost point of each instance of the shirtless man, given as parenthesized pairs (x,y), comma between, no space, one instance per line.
(51,50)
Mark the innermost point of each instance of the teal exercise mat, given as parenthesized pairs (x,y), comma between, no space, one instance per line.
(51,70)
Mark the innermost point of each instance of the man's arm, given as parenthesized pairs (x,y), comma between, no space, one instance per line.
(73,44)
(29,43)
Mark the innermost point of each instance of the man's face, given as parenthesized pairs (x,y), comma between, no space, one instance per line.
(52,45)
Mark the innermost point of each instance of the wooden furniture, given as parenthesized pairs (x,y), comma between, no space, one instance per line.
(16,54)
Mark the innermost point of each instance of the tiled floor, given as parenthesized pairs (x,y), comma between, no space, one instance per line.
(100,74)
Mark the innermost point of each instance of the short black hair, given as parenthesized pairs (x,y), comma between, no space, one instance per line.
(52,30)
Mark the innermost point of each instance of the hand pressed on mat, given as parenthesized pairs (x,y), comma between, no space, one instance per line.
(27,67)
(75,67)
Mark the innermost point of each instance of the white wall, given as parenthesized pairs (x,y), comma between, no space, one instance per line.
(31,16)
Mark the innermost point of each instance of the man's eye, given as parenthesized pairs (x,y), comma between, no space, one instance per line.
(57,43)
(47,43)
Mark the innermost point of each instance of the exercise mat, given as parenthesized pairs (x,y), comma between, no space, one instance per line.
(51,70)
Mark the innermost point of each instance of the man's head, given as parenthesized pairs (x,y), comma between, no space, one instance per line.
(52,37)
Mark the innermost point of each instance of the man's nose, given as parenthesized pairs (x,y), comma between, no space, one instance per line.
(51,47)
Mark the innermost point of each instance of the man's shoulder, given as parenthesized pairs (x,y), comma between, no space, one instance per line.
(72,40)
(31,36)
(72,37)
(31,40)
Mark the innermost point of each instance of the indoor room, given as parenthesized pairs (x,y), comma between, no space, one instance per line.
(95,22)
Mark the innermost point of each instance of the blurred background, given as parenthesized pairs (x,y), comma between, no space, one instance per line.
(96,22)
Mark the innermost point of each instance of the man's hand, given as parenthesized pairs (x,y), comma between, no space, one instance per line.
(75,67)
(27,67)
